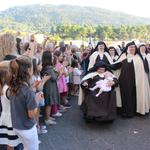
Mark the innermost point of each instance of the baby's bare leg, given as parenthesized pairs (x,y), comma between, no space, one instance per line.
(94,88)
(100,91)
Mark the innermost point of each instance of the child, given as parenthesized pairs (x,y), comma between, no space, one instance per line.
(102,84)
(62,85)
(76,77)
(23,102)
(68,71)
(37,85)
(7,134)
(50,88)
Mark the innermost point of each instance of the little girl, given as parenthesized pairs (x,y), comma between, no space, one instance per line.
(76,78)
(62,85)
(7,134)
(37,85)
(50,88)
(23,102)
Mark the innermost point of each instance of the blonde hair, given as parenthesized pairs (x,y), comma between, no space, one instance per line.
(7,44)
(4,63)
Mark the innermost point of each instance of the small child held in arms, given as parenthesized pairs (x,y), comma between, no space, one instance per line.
(102,84)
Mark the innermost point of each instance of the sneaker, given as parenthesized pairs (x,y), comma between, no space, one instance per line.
(67,105)
(58,114)
(42,131)
(61,107)
(62,110)
(42,127)
(51,118)
(66,101)
(50,122)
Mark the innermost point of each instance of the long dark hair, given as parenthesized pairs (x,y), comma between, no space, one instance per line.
(4,73)
(57,54)
(47,59)
(36,62)
(20,75)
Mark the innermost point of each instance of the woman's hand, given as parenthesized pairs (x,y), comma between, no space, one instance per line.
(110,83)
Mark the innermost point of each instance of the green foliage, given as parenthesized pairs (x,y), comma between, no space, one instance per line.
(74,22)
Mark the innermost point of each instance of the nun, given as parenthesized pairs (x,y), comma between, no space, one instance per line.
(113,53)
(133,82)
(145,55)
(100,53)
(103,106)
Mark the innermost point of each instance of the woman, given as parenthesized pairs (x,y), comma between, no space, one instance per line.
(7,134)
(7,53)
(7,46)
(33,45)
(85,62)
(146,58)
(100,53)
(133,81)
(113,53)
(103,107)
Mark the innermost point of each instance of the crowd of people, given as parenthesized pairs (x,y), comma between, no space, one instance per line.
(40,79)
(125,91)
(35,79)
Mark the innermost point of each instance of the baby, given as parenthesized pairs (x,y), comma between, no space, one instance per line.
(102,84)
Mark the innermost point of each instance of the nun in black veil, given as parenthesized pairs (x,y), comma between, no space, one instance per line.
(133,82)
(103,106)
(145,55)
(113,53)
(100,53)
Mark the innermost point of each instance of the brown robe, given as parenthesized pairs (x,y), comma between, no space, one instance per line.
(101,108)
(140,96)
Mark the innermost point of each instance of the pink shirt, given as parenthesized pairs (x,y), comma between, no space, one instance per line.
(61,82)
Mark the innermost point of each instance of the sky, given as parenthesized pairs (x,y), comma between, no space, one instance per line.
(133,7)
